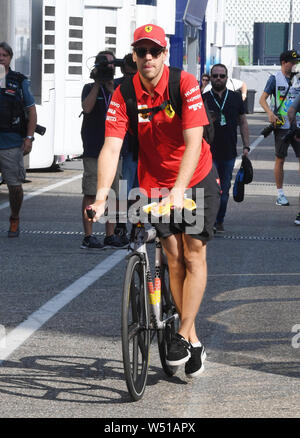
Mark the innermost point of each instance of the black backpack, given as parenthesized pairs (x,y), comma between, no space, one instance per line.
(129,96)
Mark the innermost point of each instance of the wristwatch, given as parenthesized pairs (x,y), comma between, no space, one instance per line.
(30,137)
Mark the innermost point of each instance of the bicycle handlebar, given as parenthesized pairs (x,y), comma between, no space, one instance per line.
(189,204)
(90,212)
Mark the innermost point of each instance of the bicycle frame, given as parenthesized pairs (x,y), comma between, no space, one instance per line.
(154,287)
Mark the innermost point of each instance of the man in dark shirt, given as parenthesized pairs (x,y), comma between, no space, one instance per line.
(227,110)
(95,103)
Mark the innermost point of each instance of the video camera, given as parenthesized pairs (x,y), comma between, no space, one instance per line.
(41,130)
(102,69)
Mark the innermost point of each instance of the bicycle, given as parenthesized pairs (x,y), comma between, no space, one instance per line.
(147,306)
(147,309)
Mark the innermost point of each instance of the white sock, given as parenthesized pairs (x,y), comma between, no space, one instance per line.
(197,344)
(280,192)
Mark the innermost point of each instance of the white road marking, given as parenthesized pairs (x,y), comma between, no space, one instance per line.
(16,337)
(252,146)
(44,190)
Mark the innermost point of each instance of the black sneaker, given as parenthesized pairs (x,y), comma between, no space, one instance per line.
(179,351)
(115,241)
(195,366)
(219,227)
(122,234)
(91,242)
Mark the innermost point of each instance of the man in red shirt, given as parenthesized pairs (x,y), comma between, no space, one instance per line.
(172,155)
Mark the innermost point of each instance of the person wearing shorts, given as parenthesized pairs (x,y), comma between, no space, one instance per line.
(281,147)
(200,223)
(95,103)
(172,155)
(284,86)
(13,145)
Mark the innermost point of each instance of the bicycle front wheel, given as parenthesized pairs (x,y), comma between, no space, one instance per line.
(135,333)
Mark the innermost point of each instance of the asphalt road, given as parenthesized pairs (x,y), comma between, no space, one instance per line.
(60,310)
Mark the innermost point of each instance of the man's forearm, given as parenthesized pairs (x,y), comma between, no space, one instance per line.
(264,104)
(32,121)
(244,128)
(89,102)
(244,90)
(107,167)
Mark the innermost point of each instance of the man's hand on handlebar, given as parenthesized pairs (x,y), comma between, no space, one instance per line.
(175,200)
(95,211)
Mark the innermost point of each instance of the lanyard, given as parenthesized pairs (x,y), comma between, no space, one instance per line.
(217,103)
(107,100)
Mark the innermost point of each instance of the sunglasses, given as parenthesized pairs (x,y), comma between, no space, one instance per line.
(222,76)
(154,51)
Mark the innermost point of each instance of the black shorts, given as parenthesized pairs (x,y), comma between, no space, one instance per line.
(281,147)
(200,223)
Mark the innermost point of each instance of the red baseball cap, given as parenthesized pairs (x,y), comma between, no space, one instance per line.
(150,32)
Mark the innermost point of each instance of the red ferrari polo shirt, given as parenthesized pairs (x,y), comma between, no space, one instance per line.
(161,143)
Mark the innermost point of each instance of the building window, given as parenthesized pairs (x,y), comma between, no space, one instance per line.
(110,39)
(75,46)
(147,2)
(49,39)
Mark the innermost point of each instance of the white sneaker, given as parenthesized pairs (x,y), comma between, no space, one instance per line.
(281,200)
(297,220)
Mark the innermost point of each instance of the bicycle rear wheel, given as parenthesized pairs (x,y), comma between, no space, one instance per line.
(164,336)
(135,333)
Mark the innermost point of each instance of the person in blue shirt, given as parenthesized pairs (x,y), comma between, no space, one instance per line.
(16,136)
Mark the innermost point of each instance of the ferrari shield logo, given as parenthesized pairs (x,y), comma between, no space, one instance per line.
(169,111)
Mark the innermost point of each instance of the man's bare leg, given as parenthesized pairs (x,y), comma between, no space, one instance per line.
(279,172)
(194,285)
(188,276)
(15,200)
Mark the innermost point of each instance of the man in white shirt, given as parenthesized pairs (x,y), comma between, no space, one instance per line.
(233,85)
(284,86)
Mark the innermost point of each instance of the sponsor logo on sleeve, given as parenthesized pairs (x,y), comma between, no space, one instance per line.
(194,95)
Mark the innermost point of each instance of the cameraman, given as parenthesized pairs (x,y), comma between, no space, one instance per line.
(293,110)
(96,98)
(284,87)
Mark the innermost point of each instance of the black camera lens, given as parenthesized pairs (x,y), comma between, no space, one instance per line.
(267,131)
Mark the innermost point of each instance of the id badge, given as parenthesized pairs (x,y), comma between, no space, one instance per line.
(223,120)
